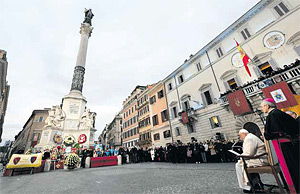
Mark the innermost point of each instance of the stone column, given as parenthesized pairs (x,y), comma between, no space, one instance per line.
(78,76)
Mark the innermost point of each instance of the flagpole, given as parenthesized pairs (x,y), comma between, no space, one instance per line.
(213,71)
(245,53)
(248,57)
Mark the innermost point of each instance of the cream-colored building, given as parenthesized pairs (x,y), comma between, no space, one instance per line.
(144,119)
(130,134)
(113,132)
(270,35)
(31,132)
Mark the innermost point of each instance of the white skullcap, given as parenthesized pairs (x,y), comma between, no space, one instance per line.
(243,131)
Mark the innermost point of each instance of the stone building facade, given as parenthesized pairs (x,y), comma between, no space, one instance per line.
(130,134)
(144,119)
(31,132)
(113,132)
(269,37)
(4,89)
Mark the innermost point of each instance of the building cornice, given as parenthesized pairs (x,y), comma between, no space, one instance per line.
(228,31)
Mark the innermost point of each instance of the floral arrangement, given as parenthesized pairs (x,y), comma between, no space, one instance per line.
(71,160)
(69,140)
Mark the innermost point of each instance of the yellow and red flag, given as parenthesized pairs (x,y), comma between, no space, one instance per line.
(244,57)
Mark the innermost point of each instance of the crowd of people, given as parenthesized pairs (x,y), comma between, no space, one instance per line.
(194,152)
(266,76)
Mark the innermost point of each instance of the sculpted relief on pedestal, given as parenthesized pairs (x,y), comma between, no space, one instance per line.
(87,120)
(55,118)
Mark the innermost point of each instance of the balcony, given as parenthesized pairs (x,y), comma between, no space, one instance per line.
(191,113)
(145,142)
(289,75)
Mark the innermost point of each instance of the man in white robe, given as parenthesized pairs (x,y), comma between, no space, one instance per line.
(252,146)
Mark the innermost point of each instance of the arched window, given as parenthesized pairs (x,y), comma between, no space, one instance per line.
(185,101)
(230,79)
(206,94)
(174,109)
(264,63)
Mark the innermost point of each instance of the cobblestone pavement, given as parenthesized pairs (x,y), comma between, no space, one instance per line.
(131,178)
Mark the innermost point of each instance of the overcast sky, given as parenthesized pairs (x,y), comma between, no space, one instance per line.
(134,42)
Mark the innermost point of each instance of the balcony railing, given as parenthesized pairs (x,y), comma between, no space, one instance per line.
(192,115)
(255,88)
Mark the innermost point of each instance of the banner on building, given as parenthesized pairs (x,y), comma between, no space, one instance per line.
(25,161)
(238,103)
(281,94)
(184,117)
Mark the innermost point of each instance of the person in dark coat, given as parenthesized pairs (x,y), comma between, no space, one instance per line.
(46,155)
(280,124)
(295,116)
(174,153)
(161,154)
(84,155)
(277,122)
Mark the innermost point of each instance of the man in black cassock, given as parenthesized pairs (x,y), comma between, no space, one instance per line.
(280,124)
(295,116)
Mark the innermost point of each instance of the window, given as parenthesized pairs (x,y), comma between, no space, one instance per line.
(186,105)
(208,99)
(35,137)
(198,66)
(167,134)
(164,116)
(177,131)
(281,9)
(132,110)
(152,100)
(265,68)
(149,122)
(245,33)
(160,94)
(230,79)
(40,119)
(156,136)
(155,120)
(215,122)
(180,79)
(124,115)
(219,52)
(174,112)
(170,86)
(232,84)
(191,128)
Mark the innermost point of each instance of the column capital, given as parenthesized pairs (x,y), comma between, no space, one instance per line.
(86,29)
